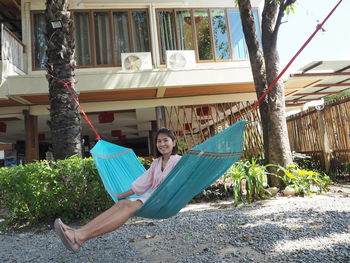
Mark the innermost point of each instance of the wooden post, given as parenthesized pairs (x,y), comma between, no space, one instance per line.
(152,139)
(323,138)
(31,137)
(160,115)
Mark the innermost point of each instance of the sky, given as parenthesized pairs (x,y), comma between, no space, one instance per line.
(333,44)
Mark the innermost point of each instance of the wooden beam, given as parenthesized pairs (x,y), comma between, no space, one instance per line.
(316,64)
(342,69)
(330,74)
(333,85)
(9,20)
(17,5)
(299,100)
(13,9)
(317,93)
(294,104)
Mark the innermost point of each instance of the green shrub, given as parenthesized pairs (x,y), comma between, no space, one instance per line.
(145,161)
(303,181)
(247,179)
(42,190)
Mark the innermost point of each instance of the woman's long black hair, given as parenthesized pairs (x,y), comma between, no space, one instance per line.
(169,133)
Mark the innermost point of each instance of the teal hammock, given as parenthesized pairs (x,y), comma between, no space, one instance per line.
(197,169)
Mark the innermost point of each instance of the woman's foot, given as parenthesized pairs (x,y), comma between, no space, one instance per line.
(64,226)
(67,235)
(71,234)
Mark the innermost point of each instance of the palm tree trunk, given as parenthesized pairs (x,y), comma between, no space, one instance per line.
(64,113)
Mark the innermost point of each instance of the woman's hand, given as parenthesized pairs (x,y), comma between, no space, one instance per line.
(119,196)
(124,195)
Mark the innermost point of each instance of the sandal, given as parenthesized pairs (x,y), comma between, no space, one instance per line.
(65,240)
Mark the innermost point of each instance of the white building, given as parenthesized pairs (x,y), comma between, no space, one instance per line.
(132,57)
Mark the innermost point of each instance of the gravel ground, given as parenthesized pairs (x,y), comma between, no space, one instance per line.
(283,229)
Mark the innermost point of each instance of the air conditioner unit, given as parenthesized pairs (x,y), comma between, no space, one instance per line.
(177,59)
(136,61)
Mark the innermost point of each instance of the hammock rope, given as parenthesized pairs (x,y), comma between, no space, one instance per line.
(319,27)
(196,170)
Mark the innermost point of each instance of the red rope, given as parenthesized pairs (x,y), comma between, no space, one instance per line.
(81,109)
(319,26)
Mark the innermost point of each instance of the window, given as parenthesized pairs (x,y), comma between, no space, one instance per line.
(203,35)
(82,39)
(220,32)
(167,33)
(100,36)
(140,31)
(238,42)
(39,44)
(103,45)
(185,31)
(215,34)
(121,35)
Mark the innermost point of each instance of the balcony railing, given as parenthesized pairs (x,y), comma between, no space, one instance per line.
(12,49)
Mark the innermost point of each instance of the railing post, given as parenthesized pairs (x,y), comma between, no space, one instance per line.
(326,151)
(31,137)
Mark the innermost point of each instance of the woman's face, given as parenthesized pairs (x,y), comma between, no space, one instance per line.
(165,144)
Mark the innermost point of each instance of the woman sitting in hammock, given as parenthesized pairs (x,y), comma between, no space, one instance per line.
(120,212)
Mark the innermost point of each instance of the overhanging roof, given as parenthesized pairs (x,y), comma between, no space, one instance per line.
(317,80)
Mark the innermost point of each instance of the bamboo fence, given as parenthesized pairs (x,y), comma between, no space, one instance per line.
(323,134)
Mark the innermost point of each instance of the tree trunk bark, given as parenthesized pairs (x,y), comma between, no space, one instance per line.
(279,150)
(265,68)
(64,112)
(257,64)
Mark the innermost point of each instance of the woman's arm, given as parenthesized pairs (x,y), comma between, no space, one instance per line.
(125,194)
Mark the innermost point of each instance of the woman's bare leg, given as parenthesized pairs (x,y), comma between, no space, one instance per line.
(97,220)
(102,217)
(108,221)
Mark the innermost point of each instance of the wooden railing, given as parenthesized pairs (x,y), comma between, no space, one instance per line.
(12,48)
(194,124)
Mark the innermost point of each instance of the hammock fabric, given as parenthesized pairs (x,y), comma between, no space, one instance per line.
(197,169)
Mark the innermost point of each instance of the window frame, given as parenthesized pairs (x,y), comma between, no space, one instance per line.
(194,32)
(211,36)
(132,28)
(228,36)
(177,43)
(258,33)
(33,51)
(94,37)
(91,22)
(91,40)
(129,32)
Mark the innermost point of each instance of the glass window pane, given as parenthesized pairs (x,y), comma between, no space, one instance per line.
(166,32)
(40,47)
(184,25)
(201,19)
(102,38)
(237,37)
(140,31)
(82,39)
(219,25)
(121,35)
